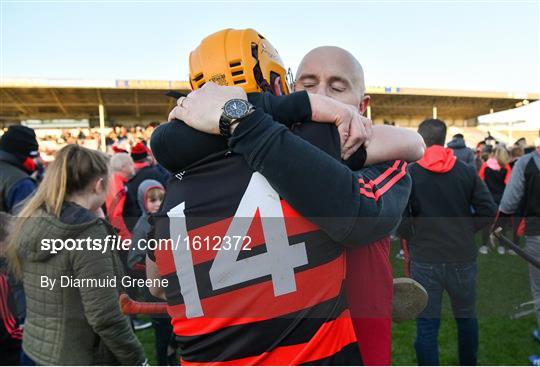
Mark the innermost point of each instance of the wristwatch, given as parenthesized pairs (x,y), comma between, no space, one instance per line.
(234,111)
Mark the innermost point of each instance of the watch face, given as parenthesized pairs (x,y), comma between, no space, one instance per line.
(235,108)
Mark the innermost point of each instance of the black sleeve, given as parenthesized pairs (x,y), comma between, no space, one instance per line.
(357,160)
(353,208)
(176,145)
(286,109)
(484,207)
(296,108)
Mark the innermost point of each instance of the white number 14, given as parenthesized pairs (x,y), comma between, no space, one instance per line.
(278,261)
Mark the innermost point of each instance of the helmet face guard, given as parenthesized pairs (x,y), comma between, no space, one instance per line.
(240,58)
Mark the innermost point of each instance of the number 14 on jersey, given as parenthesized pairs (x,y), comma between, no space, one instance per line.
(279,260)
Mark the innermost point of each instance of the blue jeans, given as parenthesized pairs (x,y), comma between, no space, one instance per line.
(459,280)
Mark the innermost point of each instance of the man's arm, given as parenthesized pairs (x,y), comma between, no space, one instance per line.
(176,145)
(382,142)
(390,142)
(287,109)
(352,208)
(313,182)
(385,143)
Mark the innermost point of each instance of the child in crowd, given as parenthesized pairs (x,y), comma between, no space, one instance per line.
(150,195)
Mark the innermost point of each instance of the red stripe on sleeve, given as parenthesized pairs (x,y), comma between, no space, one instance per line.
(377,192)
(389,184)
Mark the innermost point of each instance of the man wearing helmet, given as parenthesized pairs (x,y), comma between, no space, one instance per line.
(280,299)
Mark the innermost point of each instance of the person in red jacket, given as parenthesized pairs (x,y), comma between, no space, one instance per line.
(447,206)
(122,170)
(145,169)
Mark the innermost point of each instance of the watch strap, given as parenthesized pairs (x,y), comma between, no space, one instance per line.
(225,122)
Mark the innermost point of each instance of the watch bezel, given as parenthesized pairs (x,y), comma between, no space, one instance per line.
(237,100)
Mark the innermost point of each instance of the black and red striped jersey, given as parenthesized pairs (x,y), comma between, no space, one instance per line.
(250,281)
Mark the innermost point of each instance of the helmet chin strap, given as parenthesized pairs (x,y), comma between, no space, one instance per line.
(257,72)
(259,78)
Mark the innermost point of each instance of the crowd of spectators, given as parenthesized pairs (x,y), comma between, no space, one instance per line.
(117,138)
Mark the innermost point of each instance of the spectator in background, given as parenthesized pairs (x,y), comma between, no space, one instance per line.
(524,189)
(123,170)
(440,229)
(478,154)
(482,154)
(495,172)
(145,169)
(71,325)
(521,142)
(150,196)
(490,140)
(485,153)
(10,330)
(515,153)
(461,151)
(38,167)
(16,147)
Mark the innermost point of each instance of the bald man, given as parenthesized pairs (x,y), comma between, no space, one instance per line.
(336,73)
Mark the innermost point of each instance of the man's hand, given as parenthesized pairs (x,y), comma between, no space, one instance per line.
(202,109)
(354,129)
(360,133)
